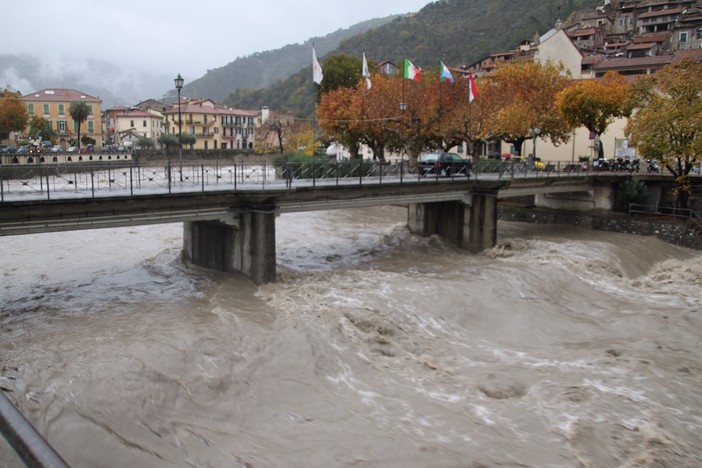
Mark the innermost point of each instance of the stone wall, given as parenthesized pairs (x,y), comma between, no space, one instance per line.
(678,233)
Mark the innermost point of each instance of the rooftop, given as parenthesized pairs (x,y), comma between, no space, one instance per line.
(59,95)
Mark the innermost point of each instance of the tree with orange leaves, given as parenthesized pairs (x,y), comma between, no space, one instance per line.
(594,104)
(13,113)
(381,115)
(461,120)
(339,115)
(521,96)
(667,126)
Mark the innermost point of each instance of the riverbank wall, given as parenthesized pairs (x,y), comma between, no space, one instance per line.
(674,232)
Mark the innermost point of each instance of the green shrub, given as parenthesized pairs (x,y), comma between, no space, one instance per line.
(631,191)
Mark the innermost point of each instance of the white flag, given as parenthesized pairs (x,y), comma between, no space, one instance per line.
(366,72)
(317,74)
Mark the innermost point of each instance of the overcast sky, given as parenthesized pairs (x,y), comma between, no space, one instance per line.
(176,36)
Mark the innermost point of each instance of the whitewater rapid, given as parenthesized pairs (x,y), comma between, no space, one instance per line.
(559,347)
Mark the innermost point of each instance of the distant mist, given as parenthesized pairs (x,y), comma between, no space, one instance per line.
(114,85)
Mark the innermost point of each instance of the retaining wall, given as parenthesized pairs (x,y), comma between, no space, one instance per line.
(677,233)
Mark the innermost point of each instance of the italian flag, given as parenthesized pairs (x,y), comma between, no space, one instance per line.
(412,72)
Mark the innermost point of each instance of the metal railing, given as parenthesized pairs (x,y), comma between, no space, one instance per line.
(127,178)
(24,439)
(662,212)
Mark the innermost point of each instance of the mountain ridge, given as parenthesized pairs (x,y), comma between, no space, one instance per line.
(457,32)
(262,69)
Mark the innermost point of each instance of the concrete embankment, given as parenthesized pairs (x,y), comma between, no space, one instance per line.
(678,233)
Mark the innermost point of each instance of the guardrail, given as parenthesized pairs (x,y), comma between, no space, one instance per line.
(126,178)
(666,212)
(24,439)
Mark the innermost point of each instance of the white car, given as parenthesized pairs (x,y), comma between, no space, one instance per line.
(72,149)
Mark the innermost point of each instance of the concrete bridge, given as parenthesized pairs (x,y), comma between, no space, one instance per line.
(233,230)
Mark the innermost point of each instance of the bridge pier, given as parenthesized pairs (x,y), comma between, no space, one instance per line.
(470,224)
(244,244)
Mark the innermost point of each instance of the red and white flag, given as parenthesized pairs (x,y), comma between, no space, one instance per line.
(472,88)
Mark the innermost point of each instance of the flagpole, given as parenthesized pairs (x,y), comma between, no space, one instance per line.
(403,107)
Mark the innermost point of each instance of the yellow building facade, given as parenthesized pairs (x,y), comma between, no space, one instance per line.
(214,127)
(53,105)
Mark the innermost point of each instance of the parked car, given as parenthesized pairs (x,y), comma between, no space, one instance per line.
(23,150)
(72,149)
(444,164)
(56,149)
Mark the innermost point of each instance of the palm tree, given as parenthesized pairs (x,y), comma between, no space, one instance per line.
(80,112)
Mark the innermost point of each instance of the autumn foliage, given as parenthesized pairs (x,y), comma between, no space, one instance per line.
(398,114)
(667,126)
(13,114)
(410,117)
(594,104)
(520,96)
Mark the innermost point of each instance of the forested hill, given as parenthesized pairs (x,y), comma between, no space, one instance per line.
(265,68)
(462,31)
(456,32)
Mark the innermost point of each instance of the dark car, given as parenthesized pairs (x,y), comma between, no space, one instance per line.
(444,164)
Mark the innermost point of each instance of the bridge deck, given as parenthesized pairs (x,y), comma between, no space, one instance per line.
(49,199)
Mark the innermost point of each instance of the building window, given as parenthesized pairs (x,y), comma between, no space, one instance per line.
(131,124)
(30,108)
(144,123)
(60,106)
(46,109)
(61,126)
(683,37)
(91,126)
(699,33)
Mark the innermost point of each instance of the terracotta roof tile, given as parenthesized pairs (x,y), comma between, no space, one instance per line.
(641,46)
(610,64)
(60,95)
(657,13)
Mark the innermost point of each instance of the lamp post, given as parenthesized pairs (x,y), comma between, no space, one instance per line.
(179,85)
(535,133)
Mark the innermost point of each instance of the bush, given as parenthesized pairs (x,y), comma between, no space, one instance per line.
(320,167)
(631,191)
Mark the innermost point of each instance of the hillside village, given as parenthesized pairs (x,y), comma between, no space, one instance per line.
(630,37)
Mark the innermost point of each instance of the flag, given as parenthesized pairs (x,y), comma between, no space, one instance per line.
(317,74)
(412,72)
(472,88)
(366,72)
(446,73)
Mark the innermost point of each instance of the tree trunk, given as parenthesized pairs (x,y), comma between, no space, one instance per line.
(683,191)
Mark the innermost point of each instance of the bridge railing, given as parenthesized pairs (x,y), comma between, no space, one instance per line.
(47,181)
(663,212)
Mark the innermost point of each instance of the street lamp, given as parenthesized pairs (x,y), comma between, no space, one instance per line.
(179,85)
(535,133)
